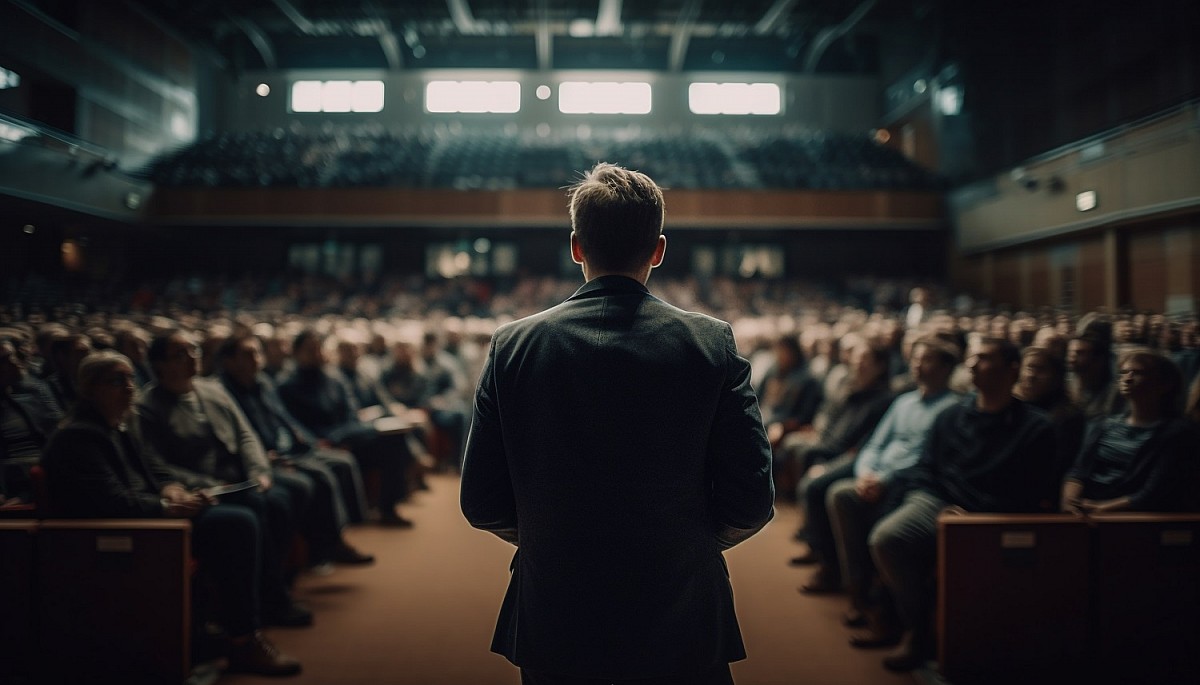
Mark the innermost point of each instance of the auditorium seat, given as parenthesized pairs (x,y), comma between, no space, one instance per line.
(114,600)
(1147,601)
(1012,597)
(16,599)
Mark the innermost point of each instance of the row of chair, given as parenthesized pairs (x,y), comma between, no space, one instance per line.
(1060,598)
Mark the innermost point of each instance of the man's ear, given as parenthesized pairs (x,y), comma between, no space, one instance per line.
(660,251)
(576,251)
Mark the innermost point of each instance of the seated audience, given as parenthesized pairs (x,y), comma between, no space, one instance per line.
(1042,383)
(1089,359)
(290,447)
(989,453)
(789,398)
(28,416)
(445,398)
(205,440)
(830,457)
(325,406)
(1145,460)
(856,503)
(66,351)
(96,467)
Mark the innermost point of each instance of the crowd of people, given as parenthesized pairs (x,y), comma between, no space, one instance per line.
(995,413)
(268,420)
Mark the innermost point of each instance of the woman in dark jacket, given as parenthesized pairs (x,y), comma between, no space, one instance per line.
(1145,460)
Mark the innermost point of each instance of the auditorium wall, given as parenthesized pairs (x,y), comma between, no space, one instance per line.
(1147,265)
(104,73)
(1109,221)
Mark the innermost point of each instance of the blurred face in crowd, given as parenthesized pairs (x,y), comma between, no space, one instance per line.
(1037,378)
(111,392)
(11,367)
(1081,357)
(134,345)
(310,354)
(1138,378)
(348,354)
(864,368)
(67,360)
(245,362)
(989,372)
(180,362)
(928,369)
(276,352)
(402,355)
(785,358)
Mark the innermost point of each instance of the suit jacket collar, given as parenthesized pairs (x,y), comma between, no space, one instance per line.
(609,285)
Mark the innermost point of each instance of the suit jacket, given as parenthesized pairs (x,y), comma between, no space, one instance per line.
(617,441)
(264,391)
(93,470)
(231,431)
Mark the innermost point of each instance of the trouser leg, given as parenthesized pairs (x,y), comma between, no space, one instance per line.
(851,521)
(817,517)
(226,541)
(326,516)
(904,547)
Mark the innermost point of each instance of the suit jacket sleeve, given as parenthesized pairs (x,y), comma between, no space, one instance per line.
(486,494)
(248,444)
(739,456)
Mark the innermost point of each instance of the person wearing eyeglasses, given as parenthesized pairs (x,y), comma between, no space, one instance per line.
(206,440)
(96,467)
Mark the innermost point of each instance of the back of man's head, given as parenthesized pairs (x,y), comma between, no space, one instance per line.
(617,216)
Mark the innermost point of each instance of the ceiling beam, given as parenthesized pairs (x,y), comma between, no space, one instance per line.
(464,20)
(774,16)
(608,18)
(682,33)
(289,10)
(258,39)
(829,34)
(544,42)
(388,42)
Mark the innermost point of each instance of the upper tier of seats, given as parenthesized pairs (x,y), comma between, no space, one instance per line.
(449,157)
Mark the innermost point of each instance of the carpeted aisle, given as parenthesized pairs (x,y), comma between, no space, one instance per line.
(424,613)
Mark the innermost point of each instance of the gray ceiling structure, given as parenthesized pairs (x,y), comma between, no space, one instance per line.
(839,36)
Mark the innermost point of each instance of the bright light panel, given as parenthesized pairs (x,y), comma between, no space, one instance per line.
(337,96)
(603,97)
(368,96)
(734,98)
(496,97)
(306,96)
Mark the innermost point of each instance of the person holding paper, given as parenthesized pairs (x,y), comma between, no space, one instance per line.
(205,440)
(96,467)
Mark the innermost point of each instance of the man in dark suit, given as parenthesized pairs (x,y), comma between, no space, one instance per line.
(616,441)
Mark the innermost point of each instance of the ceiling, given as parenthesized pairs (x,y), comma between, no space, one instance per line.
(665,35)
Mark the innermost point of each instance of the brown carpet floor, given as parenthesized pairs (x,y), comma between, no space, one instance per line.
(423,613)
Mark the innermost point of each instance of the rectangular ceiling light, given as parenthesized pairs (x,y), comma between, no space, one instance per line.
(734,98)
(603,97)
(493,97)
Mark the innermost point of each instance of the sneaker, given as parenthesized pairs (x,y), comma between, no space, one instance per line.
(259,656)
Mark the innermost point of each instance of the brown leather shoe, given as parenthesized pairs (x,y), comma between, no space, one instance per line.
(259,656)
